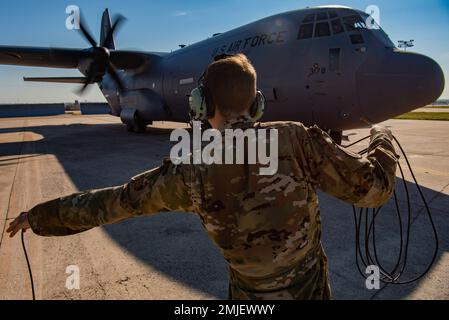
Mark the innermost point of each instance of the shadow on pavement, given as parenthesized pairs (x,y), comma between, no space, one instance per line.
(102,155)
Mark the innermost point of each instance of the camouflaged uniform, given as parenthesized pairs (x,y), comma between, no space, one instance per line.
(267,227)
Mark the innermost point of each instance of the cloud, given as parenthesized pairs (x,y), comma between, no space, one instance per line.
(181,13)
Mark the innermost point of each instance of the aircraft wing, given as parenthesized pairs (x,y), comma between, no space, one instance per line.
(42,57)
(70,58)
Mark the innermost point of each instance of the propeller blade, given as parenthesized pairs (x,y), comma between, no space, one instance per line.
(81,90)
(119,20)
(86,34)
(102,61)
(113,72)
(89,79)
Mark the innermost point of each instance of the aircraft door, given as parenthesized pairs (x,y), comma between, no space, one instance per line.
(326,77)
(324,81)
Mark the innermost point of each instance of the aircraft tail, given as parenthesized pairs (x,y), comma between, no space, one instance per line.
(105,30)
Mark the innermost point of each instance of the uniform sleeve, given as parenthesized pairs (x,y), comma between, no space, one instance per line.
(364,181)
(162,189)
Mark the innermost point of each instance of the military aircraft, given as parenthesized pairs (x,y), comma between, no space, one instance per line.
(332,66)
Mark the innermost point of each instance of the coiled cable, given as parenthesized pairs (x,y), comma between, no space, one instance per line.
(366,251)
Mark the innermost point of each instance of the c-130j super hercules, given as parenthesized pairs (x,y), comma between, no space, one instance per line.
(321,65)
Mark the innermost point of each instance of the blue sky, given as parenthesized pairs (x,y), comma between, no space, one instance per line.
(158,25)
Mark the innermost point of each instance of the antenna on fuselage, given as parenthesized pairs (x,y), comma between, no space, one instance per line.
(406,44)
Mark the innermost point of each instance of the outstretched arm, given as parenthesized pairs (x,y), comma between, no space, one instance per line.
(165,188)
(364,181)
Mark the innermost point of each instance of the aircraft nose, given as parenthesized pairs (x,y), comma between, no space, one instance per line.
(397,83)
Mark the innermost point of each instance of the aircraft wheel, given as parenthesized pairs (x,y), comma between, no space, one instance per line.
(130,128)
(140,127)
(136,126)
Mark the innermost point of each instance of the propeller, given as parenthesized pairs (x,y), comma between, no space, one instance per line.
(101,56)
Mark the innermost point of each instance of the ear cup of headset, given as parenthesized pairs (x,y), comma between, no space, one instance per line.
(198,105)
(258,107)
(201,104)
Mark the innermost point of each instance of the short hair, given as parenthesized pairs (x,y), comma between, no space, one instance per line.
(231,84)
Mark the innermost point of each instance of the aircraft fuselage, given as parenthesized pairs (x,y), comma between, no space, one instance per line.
(321,66)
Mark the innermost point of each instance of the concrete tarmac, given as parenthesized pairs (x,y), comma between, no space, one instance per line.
(169,256)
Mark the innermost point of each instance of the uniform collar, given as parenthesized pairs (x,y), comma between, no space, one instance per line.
(239,122)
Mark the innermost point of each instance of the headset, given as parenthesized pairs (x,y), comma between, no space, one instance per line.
(202,106)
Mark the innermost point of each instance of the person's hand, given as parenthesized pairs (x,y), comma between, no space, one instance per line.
(380,129)
(19,223)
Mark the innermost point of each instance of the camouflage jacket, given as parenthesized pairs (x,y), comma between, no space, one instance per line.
(267,227)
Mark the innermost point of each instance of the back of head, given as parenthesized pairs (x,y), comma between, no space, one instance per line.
(231,83)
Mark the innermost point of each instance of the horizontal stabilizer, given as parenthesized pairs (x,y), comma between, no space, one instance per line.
(57,80)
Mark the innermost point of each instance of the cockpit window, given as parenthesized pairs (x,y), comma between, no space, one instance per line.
(321,16)
(309,18)
(370,22)
(322,29)
(326,23)
(354,23)
(337,27)
(306,31)
(377,30)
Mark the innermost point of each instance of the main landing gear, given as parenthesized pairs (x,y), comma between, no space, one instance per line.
(137,127)
(134,123)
